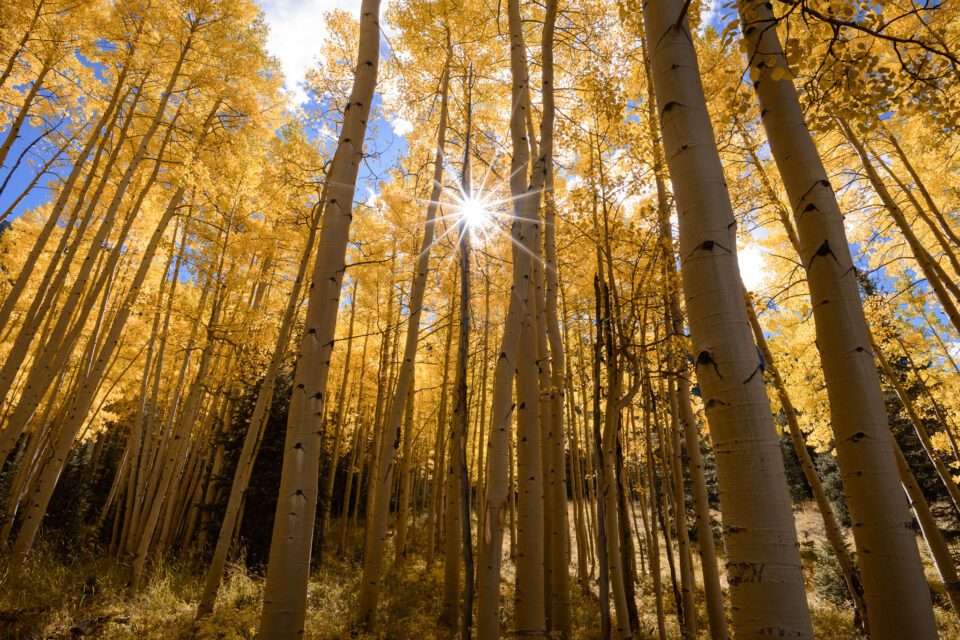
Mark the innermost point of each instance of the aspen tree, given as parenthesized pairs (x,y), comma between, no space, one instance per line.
(687,419)
(407,481)
(939,550)
(763,562)
(377,520)
(339,424)
(53,357)
(285,591)
(931,269)
(897,600)
(559,559)
(461,406)
(254,434)
(832,530)
(526,200)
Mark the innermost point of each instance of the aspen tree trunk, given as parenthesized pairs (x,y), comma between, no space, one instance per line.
(627,555)
(559,559)
(17,123)
(939,550)
(175,456)
(51,283)
(384,383)
(598,489)
(254,435)
(461,407)
(898,602)
(80,403)
(14,358)
(288,570)
(688,585)
(608,460)
(713,593)
(944,244)
(41,303)
(930,268)
(406,480)
(438,481)
(450,603)
(654,540)
(130,467)
(948,425)
(21,45)
(529,609)
(946,478)
(921,186)
(763,562)
(831,527)
(523,234)
(53,354)
(371,581)
(330,476)
(354,447)
(482,418)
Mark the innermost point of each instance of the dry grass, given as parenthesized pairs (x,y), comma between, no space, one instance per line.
(55,594)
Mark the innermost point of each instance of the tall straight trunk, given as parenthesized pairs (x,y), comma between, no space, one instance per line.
(688,585)
(176,452)
(610,490)
(461,406)
(254,435)
(406,480)
(529,617)
(438,481)
(384,384)
(288,569)
(898,601)
(339,419)
(371,581)
(151,444)
(53,355)
(599,484)
(81,402)
(523,234)
(713,592)
(654,539)
(107,118)
(354,447)
(945,246)
(482,417)
(763,560)
(559,560)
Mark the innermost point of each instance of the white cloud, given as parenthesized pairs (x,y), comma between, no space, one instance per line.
(296,31)
(401,127)
(710,15)
(754,270)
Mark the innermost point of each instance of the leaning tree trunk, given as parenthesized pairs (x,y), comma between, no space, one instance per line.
(897,598)
(767,591)
(288,570)
(832,530)
(251,440)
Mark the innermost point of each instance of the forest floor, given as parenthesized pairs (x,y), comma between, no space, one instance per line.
(58,592)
